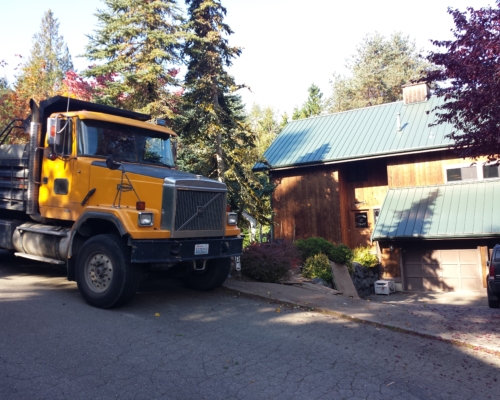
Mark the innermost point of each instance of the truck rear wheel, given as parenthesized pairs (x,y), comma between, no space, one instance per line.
(104,274)
(213,276)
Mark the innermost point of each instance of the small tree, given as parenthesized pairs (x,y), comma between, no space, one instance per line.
(313,105)
(469,69)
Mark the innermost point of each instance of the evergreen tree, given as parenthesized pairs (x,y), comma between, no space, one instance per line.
(284,121)
(137,45)
(378,71)
(217,141)
(42,74)
(313,105)
(207,82)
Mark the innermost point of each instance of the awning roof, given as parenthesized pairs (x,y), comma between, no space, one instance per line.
(459,210)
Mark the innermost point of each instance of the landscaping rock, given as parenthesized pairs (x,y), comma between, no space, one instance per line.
(364,279)
(320,281)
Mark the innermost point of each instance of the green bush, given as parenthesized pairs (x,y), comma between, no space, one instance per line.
(314,245)
(364,256)
(318,266)
(342,255)
(269,262)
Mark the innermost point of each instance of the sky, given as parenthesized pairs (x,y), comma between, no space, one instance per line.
(287,44)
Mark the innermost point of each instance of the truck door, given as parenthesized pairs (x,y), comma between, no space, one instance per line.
(57,172)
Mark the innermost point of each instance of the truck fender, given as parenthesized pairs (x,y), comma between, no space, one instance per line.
(78,232)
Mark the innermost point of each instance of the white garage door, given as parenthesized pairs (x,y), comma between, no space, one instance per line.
(442,270)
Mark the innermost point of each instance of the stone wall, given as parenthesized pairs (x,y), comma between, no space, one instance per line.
(364,279)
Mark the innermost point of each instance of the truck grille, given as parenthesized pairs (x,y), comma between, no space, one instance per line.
(199,211)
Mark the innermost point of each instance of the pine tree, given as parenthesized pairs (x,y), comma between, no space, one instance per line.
(42,74)
(313,105)
(378,70)
(137,43)
(217,140)
(207,82)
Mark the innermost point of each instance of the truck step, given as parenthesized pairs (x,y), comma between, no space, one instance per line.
(38,258)
(46,230)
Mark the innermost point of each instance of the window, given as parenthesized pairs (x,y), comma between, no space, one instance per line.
(467,172)
(64,138)
(461,174)
(128,143)
(490,171)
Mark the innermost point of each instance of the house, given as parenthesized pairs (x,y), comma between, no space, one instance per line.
(381,176)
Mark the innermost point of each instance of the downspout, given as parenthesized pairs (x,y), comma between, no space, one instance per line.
(253,224)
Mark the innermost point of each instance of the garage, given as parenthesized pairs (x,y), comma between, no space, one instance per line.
(438,237)
(442,270)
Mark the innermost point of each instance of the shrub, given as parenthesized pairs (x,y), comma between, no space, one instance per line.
(314,245)
(364,256)
(318,266)
(342,255)
(269,262)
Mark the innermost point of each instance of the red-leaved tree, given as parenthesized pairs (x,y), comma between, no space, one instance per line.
(469,71)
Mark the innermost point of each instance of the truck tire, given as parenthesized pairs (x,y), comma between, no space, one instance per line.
(105,276)
(493,301)
(214,275)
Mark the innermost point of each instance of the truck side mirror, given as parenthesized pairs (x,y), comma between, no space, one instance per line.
(53,130)
(111,163)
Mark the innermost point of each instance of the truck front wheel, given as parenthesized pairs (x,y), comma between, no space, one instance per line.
(215,273)
(104,274)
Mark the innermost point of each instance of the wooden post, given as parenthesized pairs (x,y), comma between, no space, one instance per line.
(483,251)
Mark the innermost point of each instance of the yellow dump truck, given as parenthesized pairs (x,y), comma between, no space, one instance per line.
(96,190)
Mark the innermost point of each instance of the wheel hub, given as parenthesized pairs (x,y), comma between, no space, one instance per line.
(99,272)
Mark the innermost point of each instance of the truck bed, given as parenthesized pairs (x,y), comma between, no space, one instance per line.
(13,176)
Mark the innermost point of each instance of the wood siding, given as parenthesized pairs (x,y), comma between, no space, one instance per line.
(363,195)
(306,203)
(421,169)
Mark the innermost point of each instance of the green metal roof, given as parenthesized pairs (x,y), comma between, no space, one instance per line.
(365,132)
(458,210)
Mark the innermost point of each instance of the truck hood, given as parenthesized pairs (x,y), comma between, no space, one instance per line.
(170,176)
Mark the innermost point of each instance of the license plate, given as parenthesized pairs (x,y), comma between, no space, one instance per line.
(200,249)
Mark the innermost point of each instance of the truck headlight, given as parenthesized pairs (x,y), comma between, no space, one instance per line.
(232,218)
(145,219)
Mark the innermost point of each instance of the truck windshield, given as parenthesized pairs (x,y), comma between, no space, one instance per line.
(127,143)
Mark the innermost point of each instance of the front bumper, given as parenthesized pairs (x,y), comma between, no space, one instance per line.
(178,250)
